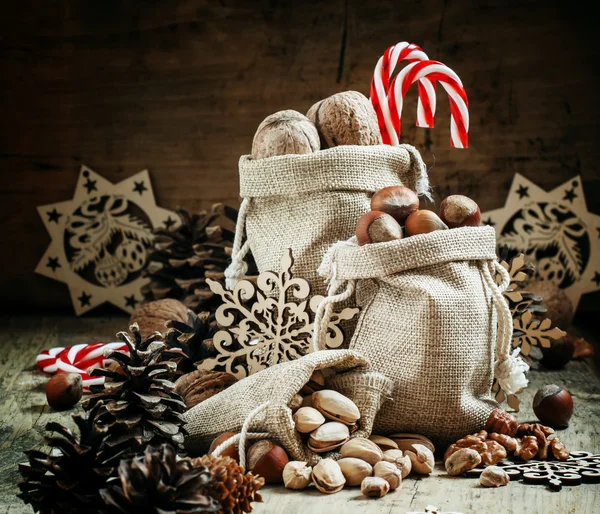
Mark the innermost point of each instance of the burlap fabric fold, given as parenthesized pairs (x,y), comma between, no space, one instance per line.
(430,313)
(308,202)
(258,404)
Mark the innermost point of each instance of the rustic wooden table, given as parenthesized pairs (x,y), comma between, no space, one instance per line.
(24,413)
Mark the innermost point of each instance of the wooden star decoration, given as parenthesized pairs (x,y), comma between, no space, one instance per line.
(99,239)
(581,467)
(555,231)
(267,322)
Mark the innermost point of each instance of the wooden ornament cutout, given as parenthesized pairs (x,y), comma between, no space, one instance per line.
(555,231)
(529,334)
(267,322)
(100,239)
(581,467)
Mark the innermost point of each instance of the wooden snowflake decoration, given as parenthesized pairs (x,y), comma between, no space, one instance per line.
(268,322)
(579,468)
(529,334)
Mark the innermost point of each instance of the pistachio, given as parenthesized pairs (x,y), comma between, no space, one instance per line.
(406,441)
(328,437)
(355,470)
(362,448)
(307,401)
(316,382)
(421,458)
(401,461)
(385,443)
(328,476)
(295,402)
(494,476)
(308,419)
(336,406)
(389,472)
(296,475)
(374,487)
(462,460)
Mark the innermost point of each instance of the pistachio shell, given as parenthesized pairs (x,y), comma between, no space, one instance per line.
(328,477)
(362,448)
(336,406)
(355,470)
(401,461)
(328,437)
(389,472)
(308,419)
(385,443)
(406,441)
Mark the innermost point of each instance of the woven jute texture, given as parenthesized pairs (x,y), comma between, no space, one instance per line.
(308,202)
(428,322)
(227,411)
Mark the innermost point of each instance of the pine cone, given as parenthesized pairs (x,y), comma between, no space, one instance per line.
(138,404)
(69,478)
(186,255)
(234,489)
(155,482)
(191,342)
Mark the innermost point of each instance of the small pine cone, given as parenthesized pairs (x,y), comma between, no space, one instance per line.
(234,489)
(501,422)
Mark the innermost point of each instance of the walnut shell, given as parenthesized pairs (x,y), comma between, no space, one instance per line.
(151,317)
(283,133)
(197,386)
(346,118)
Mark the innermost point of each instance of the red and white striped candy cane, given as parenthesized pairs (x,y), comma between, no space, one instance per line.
(389,121)
(459,103)
(78,359)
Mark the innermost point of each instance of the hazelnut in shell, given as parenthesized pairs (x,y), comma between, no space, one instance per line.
(460,211)
(377,227)
(346,118)
(553,405)
(267,460)
(230,451)
(64,390)
(423,222)
(397,201)
(283,133)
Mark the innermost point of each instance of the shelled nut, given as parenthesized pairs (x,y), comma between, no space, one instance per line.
(401,461)
(328,477)
(328,437)
(389,472)
(307,419)
(374,487)
(422,459)
(494,476)
(362,448)
(355,470)
(296,475)
(461,461)
(336,406)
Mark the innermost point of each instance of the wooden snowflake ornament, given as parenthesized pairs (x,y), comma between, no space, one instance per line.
(267,322)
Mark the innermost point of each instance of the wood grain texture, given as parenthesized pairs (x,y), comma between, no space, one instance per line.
(180,88)
(24,413)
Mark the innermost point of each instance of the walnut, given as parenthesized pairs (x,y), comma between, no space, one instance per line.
(510,443)
(559,450)
(501,422)
(531,428)
(527,447)
(197,386)
(151,317)
(491,452)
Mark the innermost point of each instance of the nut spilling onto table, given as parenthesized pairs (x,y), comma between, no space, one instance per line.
(374,487)
(328,477)
(422,459)
(401,461)
(494,476)
(362,448)
(355,470)
(389,472)
(296,475)
(461,461)
(328,437)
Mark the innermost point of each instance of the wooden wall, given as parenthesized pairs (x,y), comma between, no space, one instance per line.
(179,88)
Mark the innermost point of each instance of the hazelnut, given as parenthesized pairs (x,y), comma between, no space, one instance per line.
(389,472)
(285,132)
(460,211)
(374,487)
(423,222)
(553,405)
(230,451)
(422,459)
(494,476)
(346,118)
(296,475)
(397,201)
(559,353)
(64,390)
(267,460)
(377,227)
(461,461)
(355,470)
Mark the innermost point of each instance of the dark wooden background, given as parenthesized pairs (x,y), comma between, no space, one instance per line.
(180,87)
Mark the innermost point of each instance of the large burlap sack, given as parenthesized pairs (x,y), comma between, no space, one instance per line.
(257,406)
(430,313)
(308,202)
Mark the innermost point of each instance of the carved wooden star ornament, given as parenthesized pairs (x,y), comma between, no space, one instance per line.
(100,239)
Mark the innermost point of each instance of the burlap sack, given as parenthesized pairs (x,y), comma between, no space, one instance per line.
(430,312)
(308,202)
(257,406)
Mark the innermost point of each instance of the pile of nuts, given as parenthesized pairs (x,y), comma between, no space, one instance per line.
(502,435)
(377,465)
(395,207)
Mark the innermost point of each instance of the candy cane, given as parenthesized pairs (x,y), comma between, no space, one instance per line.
(389,120)
(78,359)
(459,103)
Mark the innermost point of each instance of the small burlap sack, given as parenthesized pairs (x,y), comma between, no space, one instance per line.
(257,406)
(308,202)
(430,313)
